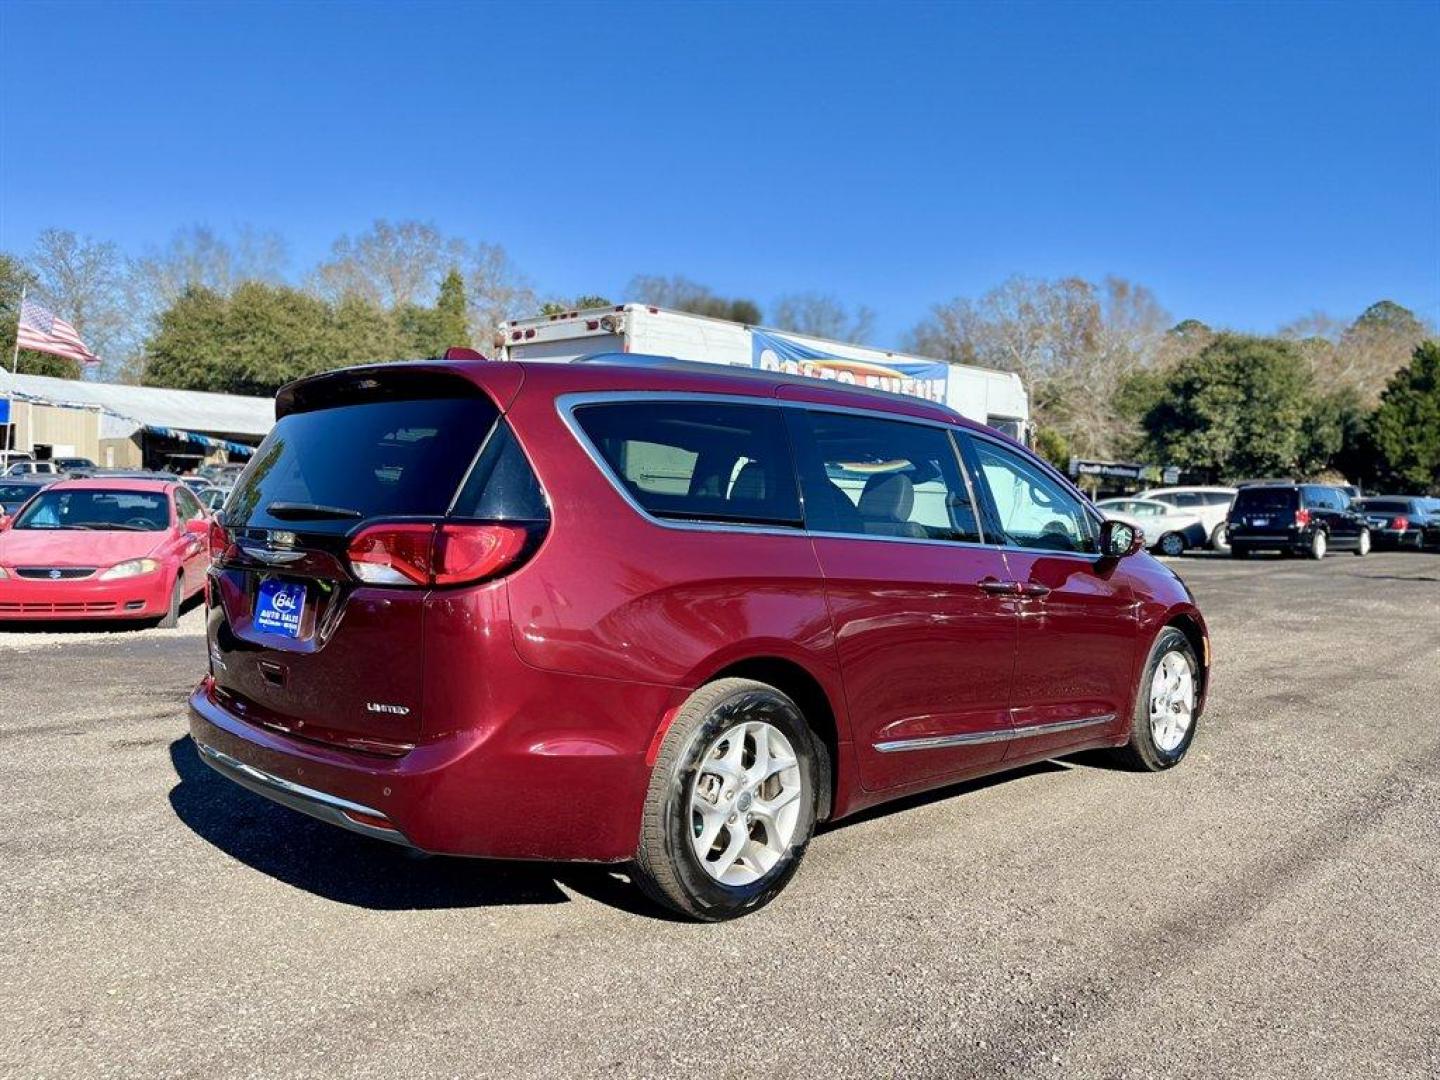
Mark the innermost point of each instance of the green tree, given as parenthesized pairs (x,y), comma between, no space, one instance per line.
(1051,445)
(15,275)
(184,351)
(681,294)
(1333,436)
(452,311)
(360,333)
(1238,408)
(252,342)
(1407,422)
(580,303)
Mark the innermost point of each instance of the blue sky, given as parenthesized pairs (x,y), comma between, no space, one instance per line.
(1249,163)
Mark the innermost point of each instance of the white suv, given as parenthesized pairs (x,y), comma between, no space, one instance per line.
(1209,504)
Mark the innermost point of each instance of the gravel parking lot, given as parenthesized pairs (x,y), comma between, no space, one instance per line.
(1269,909)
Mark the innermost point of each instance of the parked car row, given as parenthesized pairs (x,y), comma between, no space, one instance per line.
(1277,515)
(1314,519)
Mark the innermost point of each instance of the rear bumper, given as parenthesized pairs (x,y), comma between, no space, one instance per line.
(318,804)
(492,790)
(143,597)
(1289,540)
(1397,537)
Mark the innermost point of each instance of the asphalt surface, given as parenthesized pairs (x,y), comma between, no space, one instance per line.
(1269,909)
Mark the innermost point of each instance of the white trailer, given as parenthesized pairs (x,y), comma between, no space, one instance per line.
(996,398)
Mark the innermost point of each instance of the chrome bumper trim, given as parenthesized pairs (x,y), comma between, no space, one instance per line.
(978,738)
(317,804)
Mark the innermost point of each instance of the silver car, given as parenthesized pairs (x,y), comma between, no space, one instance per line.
(1210,504)
(1167,530)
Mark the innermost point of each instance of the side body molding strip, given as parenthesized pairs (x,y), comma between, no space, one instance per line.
(976,738)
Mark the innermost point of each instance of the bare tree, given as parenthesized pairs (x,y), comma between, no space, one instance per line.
(84,280)
(390,265)
(199,256)
(399,263)
(497,291)
(1074,343)
(1361,357)
(823,315)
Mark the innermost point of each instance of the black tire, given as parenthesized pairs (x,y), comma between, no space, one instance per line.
(1362,545)
(171,619)
(1141,753)
(1220,539)
(1319,545)
(1172,544)
(666,866)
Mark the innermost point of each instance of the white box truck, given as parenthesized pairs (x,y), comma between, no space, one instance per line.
(996,398)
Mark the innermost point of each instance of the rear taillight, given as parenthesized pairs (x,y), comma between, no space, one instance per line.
(219,540)
(435,554)
(1401,523)
(393,554)
(1302,518)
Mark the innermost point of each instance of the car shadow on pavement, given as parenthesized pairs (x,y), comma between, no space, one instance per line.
(940,794)
(351,869)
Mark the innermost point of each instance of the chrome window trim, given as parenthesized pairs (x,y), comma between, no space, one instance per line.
(994,735)
(566,404)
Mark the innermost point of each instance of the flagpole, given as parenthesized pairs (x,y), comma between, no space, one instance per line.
(14,373)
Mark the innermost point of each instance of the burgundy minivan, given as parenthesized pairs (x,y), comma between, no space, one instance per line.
(642,611)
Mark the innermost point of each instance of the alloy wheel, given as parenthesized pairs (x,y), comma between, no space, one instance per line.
(745,802)
(1172,701)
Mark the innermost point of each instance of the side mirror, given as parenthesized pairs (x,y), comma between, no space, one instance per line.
(200,526)
(1119,539)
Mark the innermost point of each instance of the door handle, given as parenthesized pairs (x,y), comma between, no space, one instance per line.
(1000,588)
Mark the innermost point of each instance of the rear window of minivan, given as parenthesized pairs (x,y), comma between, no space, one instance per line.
(1388,506)
(1251,499)
(391,458)
(697,461)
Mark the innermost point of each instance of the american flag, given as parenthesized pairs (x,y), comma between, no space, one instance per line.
(40,329)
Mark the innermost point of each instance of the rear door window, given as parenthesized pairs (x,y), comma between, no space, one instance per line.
(698,461)
(394,458)
(866,476)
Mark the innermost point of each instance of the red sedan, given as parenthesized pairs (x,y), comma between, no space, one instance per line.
(108,549)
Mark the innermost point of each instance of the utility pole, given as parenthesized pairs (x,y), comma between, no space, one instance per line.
(10,389)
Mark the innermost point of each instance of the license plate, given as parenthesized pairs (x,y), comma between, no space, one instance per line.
(278,608)
(1258,522)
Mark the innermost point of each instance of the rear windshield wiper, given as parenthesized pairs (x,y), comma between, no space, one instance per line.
(306,511)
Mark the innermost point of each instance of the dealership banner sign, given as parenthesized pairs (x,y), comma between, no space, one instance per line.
(771,352)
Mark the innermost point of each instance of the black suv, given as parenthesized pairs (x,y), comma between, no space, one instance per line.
(1306,519)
